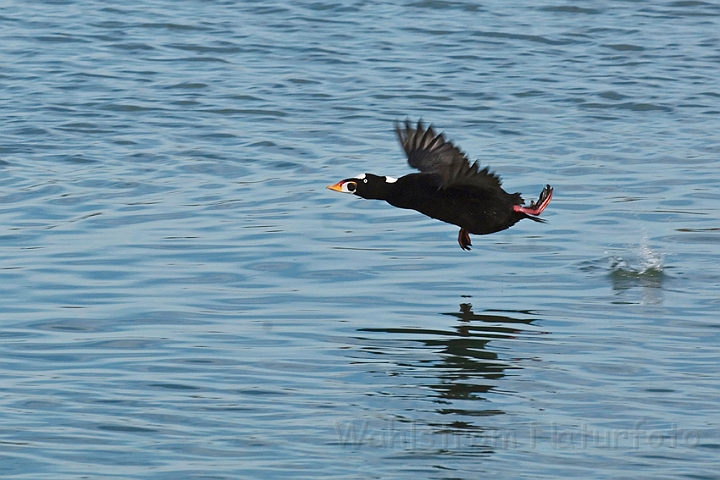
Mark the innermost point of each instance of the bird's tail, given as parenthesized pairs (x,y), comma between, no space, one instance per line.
(536,208)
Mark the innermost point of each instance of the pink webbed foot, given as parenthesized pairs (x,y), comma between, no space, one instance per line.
(536,208)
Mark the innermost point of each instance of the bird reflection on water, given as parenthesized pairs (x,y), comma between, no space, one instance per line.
(462,366)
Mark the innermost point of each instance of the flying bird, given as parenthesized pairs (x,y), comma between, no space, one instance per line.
(448,187)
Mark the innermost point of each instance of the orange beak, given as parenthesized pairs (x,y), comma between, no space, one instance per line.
(337,187)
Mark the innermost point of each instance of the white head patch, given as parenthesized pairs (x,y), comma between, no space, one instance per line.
(361,176)
(390,179)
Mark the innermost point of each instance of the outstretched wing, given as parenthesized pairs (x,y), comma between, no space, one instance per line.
(432,154)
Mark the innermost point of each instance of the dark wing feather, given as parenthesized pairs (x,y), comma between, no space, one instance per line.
(432,154)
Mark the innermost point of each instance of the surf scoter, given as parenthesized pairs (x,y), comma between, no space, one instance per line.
(447,188)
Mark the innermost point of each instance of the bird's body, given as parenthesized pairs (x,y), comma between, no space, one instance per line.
(447,188)
(478,211)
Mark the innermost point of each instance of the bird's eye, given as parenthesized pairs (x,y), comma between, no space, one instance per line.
(364,180)
(351,186)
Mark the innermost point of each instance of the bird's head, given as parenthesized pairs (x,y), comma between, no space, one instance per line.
(365,185)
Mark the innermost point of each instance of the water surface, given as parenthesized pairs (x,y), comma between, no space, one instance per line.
(180,297)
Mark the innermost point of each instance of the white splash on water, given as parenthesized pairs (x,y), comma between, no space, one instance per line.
(650,260)
(647,262)
(637,276)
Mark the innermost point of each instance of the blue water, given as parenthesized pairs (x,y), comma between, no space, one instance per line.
(180,297)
